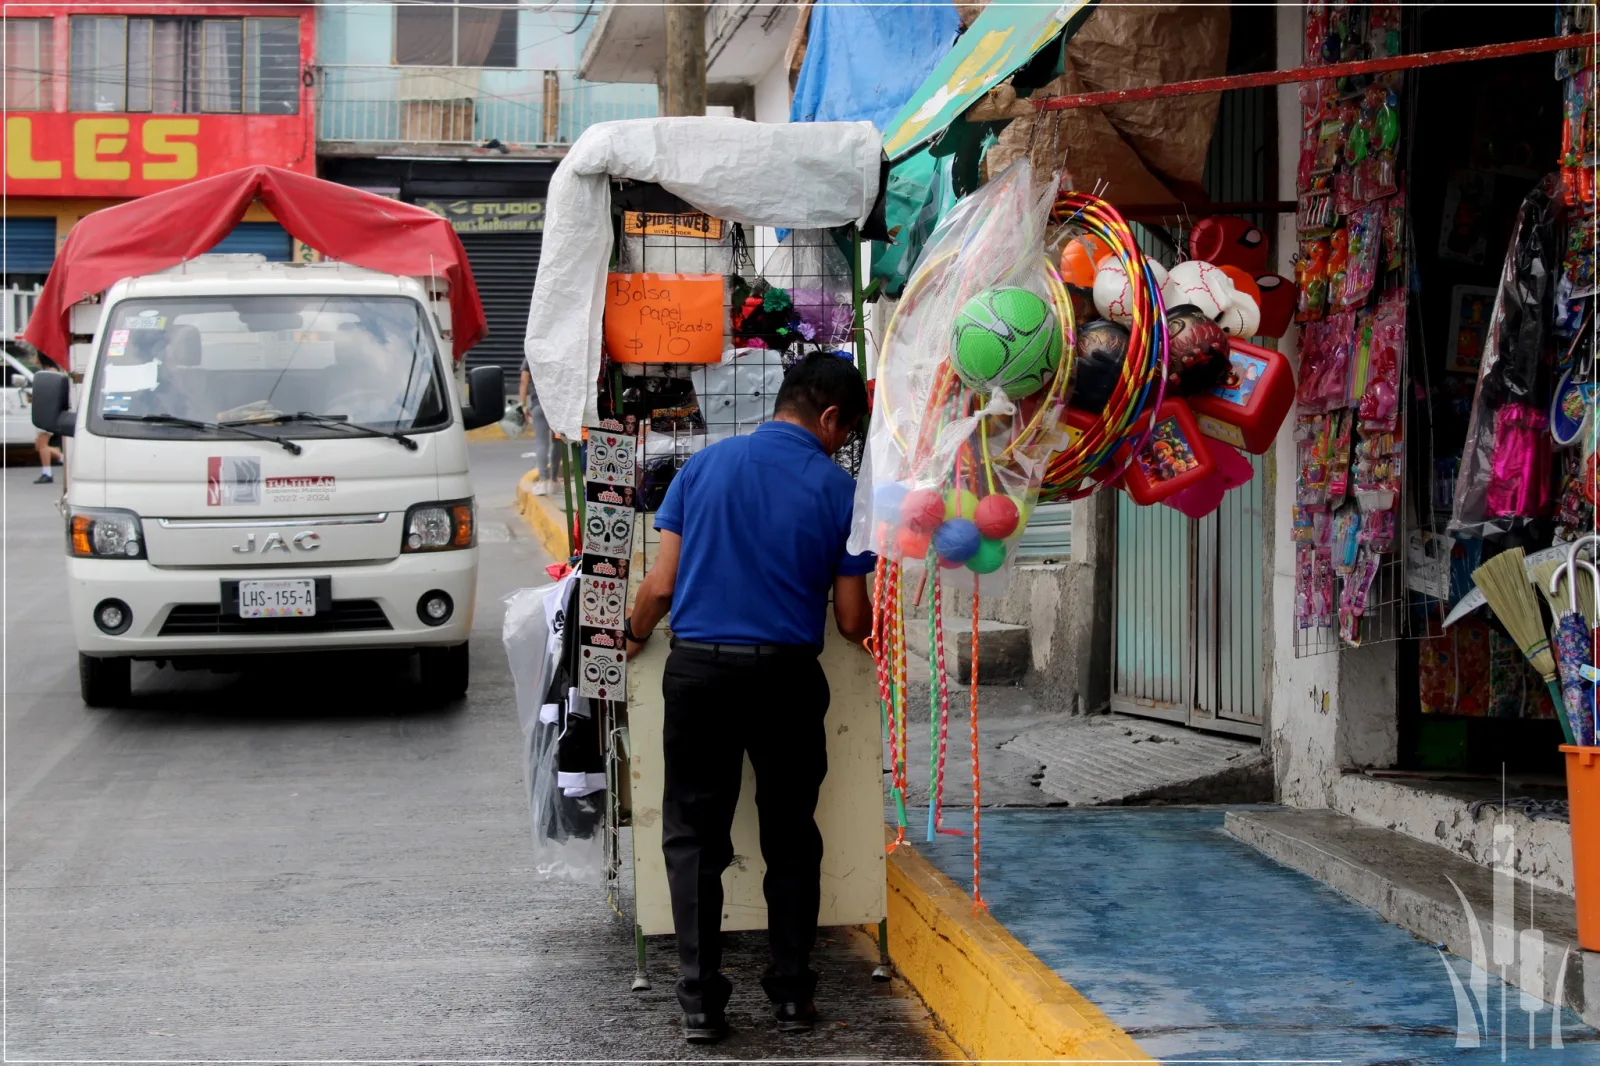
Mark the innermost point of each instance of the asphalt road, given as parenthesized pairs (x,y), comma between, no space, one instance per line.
(300,863)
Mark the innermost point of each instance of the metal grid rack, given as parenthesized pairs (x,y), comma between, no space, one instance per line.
(682,408)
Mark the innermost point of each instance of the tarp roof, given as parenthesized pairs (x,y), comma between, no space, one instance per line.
(1002,39)
(165,228)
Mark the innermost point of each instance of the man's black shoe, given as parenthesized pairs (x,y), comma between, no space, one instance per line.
(704,1028)
(796,1017)
(44,479)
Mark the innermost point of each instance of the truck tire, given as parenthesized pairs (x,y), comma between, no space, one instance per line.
(444,673)
(104,682)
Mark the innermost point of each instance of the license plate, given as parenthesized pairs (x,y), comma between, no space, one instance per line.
(292,598)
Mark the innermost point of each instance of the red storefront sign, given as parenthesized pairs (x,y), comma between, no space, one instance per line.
(118,154)
(55,154)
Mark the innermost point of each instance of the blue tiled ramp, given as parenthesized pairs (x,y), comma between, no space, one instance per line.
(1202,948)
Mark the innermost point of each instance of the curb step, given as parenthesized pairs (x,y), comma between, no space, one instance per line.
(1409,884)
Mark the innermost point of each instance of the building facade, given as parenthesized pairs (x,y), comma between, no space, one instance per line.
(466,110)
(109,102)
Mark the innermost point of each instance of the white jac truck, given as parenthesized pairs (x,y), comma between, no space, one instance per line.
(264,458)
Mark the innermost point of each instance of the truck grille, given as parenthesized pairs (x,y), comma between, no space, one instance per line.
(207,619)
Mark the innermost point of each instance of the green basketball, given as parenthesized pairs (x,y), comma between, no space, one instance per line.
(1006,339)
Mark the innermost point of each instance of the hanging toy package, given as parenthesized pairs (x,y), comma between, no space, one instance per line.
(565,798)
(971,380)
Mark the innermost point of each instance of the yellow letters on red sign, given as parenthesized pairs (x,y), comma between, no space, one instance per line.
(100,150)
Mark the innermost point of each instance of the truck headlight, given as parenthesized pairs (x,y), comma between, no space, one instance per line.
(105,534)
(432,527)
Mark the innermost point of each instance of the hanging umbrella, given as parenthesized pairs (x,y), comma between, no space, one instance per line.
(1574,644)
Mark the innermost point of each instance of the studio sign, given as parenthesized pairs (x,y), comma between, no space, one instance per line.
(490,216)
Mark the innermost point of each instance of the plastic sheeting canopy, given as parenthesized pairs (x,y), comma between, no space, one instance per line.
(166,228)
(813,175)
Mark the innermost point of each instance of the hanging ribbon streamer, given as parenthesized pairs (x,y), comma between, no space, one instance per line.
(897,650)
(943,675)
(977,788)
(935,737)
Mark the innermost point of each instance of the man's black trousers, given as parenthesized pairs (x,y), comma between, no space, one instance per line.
(720,706)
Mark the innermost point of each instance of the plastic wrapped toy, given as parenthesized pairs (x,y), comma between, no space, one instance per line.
(984,315)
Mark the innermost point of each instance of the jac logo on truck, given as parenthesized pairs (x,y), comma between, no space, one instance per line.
(306,541)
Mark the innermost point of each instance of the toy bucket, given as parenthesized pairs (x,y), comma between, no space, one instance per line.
(1583,799)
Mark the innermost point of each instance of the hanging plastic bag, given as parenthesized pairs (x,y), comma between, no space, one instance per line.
(567,830)
(813,275)
(969,391)
(1500,441)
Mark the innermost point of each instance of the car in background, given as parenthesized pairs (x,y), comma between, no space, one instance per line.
(16,403)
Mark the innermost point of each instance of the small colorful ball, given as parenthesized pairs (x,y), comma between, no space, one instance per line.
(922,510)
(912,544)
(960,503)
(997,515)
(886,501)
(990,556)
(956,540)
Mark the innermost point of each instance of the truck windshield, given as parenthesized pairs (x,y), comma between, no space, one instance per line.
(367,360)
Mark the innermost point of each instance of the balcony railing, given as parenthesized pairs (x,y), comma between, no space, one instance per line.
(16,307)
(519,107)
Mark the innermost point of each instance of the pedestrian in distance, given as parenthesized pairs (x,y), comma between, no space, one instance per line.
(550,450)
(43,443)
(753,533)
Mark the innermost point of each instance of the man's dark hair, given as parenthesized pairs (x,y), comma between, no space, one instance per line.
(819,381)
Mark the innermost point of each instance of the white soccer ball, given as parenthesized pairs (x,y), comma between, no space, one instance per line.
(1200,285)
(1113,296)
(1241,318)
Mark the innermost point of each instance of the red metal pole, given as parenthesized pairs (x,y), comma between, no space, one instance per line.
(1330,70)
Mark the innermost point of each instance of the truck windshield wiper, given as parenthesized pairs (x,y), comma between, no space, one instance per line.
(207,427)
(340,421)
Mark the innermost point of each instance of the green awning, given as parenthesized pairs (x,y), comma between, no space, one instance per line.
(1004,37)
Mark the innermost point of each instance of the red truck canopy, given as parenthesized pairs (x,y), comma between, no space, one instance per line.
(165,228)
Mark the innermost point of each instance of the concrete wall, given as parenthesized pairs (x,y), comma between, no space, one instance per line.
(1067,607)
(772,95)
(1332,712)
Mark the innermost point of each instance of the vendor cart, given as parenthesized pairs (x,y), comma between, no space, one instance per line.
(685,246)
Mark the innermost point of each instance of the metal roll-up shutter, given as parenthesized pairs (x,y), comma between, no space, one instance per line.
(1047,538)
(503,265)
(263,238)
(30,245)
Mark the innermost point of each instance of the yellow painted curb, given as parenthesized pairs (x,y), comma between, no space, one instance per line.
(990,994)
(547,522)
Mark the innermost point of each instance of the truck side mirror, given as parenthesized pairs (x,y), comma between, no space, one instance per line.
(487,387)
(52,392)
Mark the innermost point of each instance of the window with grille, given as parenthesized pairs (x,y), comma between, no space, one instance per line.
(185,65)
(456,33)
(28,67)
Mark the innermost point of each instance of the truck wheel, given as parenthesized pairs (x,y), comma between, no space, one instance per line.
(104,682)
(444,673)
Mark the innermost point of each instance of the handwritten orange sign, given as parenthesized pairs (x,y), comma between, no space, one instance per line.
(664,318)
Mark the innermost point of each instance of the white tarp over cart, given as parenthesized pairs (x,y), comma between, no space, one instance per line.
(811,175)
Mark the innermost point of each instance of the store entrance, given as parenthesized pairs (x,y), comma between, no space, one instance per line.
(1485,136)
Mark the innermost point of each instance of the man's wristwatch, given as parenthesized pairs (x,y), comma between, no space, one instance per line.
(627,632)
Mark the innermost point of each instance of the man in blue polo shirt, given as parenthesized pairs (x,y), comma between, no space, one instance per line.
(753,533)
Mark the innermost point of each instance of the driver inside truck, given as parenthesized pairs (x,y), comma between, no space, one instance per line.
(161,368)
